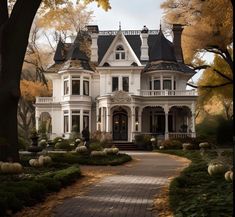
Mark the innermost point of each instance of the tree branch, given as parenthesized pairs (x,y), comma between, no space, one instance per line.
(215,70)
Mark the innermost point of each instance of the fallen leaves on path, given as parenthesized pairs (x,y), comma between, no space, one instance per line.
(45,209)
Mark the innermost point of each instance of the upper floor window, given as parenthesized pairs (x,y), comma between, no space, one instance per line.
(66,85)
(125,84)
(120,53)
(156,85)
(167,84)
(75,85)
(86,86)
(114,83)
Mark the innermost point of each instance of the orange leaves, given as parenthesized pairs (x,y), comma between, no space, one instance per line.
(100,3)
(31,89)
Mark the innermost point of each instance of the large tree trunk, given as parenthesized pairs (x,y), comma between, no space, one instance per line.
(14,33)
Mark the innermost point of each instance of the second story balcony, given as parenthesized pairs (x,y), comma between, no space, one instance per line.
(168,93)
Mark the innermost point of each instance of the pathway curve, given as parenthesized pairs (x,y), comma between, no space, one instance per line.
(129,192)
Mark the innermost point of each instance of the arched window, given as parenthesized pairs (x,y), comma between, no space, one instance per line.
(120,53)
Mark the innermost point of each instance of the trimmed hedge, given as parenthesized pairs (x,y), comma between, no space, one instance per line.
(16,194)
(75,158)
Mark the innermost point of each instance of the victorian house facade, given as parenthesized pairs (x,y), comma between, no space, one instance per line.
(131,82)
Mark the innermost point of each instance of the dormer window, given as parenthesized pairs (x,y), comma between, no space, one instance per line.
(120,53)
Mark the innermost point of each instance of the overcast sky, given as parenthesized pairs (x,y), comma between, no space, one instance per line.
(133,14)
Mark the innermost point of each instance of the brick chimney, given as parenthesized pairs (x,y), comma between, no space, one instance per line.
(177,31)
(94,32)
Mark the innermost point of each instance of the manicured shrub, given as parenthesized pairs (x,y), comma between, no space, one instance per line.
(98,153)
(187,146)
(42,143)
(63,145)
(67,176)
(51,184)
(171,144)
(95,147)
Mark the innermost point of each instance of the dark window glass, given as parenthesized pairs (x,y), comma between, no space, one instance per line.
(174,85)
(66,87)
(75,87)
(157,85)
(86,88)
(125,84)
(114,83)
(76,123)
(150,85)
(117,56)
(85,121)
(66,124)
(167,84)
(122,55)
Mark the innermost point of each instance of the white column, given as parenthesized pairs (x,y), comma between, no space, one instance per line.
(119,83)
(90,120)
(140,119)
(193,126)
(166,122)
(172,82)
(37,123)
(81,85)
(132,121)
(102,119)
(108,122)
(81,120)
(161,82)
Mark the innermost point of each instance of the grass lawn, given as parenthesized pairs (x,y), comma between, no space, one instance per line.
(197,194)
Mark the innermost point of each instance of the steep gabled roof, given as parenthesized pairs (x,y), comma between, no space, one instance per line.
(162,49)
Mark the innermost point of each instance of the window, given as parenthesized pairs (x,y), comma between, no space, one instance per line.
(167,84)
(114,83)
(66,87)
(76,121)
(157,85)
(125,84)
(120,53)
(66,121)
(86,119)
(75,87)
(86,88)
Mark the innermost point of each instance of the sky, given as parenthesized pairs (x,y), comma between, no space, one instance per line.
(133,14)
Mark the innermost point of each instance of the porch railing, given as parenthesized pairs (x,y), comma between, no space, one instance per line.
(45,99)
(179,135)
(168,93)
(162,136)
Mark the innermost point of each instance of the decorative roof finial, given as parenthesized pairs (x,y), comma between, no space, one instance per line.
(120,27)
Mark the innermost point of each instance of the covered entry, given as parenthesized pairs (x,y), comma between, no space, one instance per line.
(120,125)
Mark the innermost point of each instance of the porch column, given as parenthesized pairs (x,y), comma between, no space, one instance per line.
(102,119)
(81,85)
(140,110)
(193,120)
(81,120)
(37,123)
(193,126)
(132,121)
(166,109)
(97,117)
(108,122)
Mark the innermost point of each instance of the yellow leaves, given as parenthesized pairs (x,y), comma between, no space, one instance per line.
(68,17)
(31,89)
(100,3)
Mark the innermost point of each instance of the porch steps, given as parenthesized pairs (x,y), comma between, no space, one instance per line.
(125,146)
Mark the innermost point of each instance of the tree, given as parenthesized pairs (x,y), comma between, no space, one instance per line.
(208,28)
(14,33)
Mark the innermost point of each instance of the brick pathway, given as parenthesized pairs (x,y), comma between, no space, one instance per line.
(129,193)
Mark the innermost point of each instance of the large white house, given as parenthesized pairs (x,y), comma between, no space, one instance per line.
(134,82)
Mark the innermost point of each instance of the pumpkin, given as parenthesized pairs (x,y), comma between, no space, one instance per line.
(47,160)
(81,149)
(161,147)
(11,168)
(115,150)
(98,153)
(231,175)
(228,176)
(41,160)
(204,145)
(216,168)
(34,163)
(187,146)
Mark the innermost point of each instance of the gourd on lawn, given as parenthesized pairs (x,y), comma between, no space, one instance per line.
(11,168)
(216,168)
(229,176)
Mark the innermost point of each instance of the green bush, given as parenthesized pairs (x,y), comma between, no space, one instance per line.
(51,184)
(95,147)
(171,144)
(67,176)
(63,145)
(224,132)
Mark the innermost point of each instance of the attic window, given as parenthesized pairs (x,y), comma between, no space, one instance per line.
(106,64)
(120,53)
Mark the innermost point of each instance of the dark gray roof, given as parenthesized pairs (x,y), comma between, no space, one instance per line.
(162,49)
(104,42)
(168,65)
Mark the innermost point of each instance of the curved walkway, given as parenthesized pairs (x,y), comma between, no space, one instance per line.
(128,193)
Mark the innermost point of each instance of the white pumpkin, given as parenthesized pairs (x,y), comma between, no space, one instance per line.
(227,176)
(161,147)
(81,149)
(115,150)
(11,168)
(41,160)
(47,160)
(187,146)
(216,168)
(231,175)
(204,145)
(34,163)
